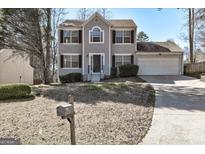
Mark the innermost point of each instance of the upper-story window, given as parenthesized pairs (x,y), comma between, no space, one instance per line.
(71,36)
(96,35)
(123,37)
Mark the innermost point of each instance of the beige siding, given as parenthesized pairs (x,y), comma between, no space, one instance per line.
(11,68)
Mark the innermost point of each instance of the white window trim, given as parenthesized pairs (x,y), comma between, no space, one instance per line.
(122,57)
(71,37)
(123,30)
(90,36)
(103,62)
(71,54)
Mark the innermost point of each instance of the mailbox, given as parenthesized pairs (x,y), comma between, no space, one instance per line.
(65,110)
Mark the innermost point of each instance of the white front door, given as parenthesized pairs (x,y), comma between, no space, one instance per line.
(96,63)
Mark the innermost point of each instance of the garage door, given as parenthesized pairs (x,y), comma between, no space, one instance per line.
(159,65)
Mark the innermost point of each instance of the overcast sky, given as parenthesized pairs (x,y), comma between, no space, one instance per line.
(158,25)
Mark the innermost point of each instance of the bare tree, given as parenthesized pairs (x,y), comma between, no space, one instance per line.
(84,13)
(28,31)
(58,15)
(106,13)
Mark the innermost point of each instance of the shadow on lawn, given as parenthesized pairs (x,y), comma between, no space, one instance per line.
(119,92)
(29,98)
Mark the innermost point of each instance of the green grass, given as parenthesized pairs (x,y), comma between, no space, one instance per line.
(101,86)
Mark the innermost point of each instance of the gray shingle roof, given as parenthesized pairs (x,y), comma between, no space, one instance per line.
(115,23)
(158,47)
(123,23)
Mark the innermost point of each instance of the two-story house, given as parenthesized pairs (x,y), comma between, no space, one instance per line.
(93,46)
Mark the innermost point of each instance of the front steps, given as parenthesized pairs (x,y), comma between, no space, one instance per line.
(95,78)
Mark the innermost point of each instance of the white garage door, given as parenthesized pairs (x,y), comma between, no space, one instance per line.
(159,65)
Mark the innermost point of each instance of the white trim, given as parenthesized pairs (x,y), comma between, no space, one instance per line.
(122,29)
(71,54)
(158,53)
(71,33)
(123,54)
(69,28)
(71,68)
(109,58)
(123,40)
(123,57)
(70,43)
(83,57)
(101,30)
(103,62)
(123,43)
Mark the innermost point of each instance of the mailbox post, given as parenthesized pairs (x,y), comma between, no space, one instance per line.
(66,111)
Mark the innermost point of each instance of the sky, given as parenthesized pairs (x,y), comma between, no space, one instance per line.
(158,25)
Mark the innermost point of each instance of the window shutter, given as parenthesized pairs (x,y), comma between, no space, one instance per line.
(61,61)
(80,61)
(80,36)
(61,36)
(132,59)
(132,36)
(113,60)
(113,36)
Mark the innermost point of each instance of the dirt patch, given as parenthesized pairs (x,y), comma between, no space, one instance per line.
(106,113)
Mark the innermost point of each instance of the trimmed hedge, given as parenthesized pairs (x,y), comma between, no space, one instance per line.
(71,77)
(128,70)
(113,72)
(12,91)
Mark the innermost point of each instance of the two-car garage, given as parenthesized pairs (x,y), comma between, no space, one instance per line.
(155,59)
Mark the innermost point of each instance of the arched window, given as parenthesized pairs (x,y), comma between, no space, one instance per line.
(96,35)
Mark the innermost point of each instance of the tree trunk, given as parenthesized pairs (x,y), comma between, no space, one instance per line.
(191,33)
(48,47)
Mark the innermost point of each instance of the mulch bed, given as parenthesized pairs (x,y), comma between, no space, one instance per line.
(118,112)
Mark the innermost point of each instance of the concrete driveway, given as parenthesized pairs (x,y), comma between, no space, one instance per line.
(179,116)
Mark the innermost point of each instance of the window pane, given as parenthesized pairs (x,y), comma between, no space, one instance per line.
(119,37)
(118,61)
(96,35)
(75,61)
(75,37)
(127,36)
(66,36)
(67,61)
(127,59)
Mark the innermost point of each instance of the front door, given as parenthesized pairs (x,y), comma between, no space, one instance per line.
(96,63)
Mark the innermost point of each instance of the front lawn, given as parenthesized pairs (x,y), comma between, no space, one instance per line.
(110,112)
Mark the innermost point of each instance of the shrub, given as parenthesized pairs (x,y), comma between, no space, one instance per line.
(113,72)
(128,70)
(71,77)
(12,91)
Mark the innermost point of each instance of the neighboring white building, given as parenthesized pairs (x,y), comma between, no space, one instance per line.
(14,69)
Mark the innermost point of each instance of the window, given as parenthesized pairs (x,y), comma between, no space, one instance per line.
(122,60)
(96,35)
(71,36)
(71,61)
(123,37)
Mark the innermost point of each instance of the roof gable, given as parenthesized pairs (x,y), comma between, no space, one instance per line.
(96,14)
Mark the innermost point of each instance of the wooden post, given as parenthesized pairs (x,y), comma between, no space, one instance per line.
(71,119)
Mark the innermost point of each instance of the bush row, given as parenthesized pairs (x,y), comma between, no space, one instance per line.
(11,91)
(71,77)
(127,70)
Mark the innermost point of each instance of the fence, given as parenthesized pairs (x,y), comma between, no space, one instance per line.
(194,67)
